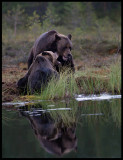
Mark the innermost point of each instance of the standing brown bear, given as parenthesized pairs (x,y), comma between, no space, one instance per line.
(57,43)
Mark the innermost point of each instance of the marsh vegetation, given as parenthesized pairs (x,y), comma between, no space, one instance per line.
(96,38)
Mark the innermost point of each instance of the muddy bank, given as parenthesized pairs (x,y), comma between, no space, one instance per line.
(10,76)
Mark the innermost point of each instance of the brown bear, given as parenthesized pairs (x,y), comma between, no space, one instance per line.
(57,43)
(52,58)
(40,73)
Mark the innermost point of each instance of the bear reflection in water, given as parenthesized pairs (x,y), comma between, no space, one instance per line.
(54,137)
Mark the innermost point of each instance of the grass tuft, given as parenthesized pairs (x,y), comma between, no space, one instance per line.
(87,82)
(115,77)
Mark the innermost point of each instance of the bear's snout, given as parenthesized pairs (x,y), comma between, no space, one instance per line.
(67,56)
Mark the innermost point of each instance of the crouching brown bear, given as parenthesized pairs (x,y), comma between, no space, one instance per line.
(40,73)
(57,43)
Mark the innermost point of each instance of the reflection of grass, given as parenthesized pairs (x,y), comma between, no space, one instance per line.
(92,107)
(68,117)
(6,117)
(116,111)
(111,110)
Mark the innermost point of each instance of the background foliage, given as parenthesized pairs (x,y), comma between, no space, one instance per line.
(96,37)
(95,26)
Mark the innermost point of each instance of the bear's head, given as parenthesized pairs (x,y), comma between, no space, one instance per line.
(42,62)
(52,57)
(64,46)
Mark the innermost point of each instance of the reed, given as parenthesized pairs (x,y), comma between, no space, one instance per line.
(115,77)
(91,81)
(64,87)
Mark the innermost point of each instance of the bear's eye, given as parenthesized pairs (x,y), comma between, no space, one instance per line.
(70,48)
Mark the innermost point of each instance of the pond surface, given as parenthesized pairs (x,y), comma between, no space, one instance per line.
(87,127)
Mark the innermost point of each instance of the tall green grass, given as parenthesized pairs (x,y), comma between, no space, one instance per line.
(83,82)
(90,83)
(64,87)
(115,77)
(103,81)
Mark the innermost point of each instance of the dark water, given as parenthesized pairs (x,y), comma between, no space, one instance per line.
(67,129)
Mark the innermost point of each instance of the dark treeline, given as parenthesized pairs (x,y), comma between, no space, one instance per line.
(63,12)
(90,23)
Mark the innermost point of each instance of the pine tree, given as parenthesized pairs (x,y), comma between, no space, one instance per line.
(34,24)
(15,17)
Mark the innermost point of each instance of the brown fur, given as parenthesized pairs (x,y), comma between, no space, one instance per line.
(52,58)
(39,73)
(57,43)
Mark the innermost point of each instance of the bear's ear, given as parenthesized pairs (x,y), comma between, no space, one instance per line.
(69,36)
(57,37)
(52,32)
